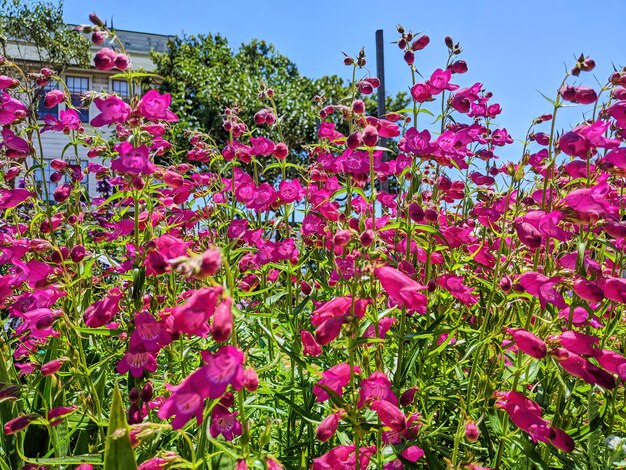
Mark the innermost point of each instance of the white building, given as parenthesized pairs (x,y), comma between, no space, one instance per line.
(79,80)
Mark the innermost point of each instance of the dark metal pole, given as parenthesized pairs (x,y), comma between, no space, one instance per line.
(380,71)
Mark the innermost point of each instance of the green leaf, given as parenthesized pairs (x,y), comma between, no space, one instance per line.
(131,75)
(118,453)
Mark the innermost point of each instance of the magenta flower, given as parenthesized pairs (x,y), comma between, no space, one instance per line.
(343,458)
(328,426)
(376,387)
(11,110)
(53,98)
(310,346)
(223,368)
(543,288)
(15,146)
(102,311)
(335,379)
(222,323)
(132,161)
(154,107)
(580,367)
(528,343)
(192,317)
(105,59)
(578,343)
(186,400)
(403,290)
(137,362)
(390,415)
(225,423)
(112,110)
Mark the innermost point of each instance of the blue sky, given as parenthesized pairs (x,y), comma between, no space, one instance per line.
(514,48)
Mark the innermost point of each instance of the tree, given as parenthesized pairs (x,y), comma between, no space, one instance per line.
(39,26)
(205,76)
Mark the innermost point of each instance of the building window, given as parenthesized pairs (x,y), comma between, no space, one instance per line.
(77,86)
(42,111)
(120,87)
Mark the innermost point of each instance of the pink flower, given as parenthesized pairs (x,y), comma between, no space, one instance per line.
(578,343)
(225,423)
(613,362)
(334,379)
(19,424)
(390,415)
(186,400)
(222,324)
(223,368)
(528,343)
(403,290)
(310,346)
(454,284)
(440,81)
(113,110)
(53,98)
(376,387)
(16,147)
(137,362)
(149,334)
(11,110)
(105,59)
(261,146)
(102,311)
(472,432)
(192,317)
(580,367)
(421,92)
(132,161)
(52,367)
(154,107)
(328,426)
(57,415)
(343,458)
(543,288)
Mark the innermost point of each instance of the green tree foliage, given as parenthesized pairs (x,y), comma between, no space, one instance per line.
(205,75)
(38,25)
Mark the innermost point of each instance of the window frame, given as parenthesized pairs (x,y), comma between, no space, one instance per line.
(89,79)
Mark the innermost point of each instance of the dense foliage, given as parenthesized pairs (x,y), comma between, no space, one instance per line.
(470,318)
(204,76)
(40,34)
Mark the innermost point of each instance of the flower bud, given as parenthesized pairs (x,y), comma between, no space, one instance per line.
(358,106)
(133,396)
(367,237)
(420,43)
(355,140)
(370,136)
(95,19)
(78,253)
(147,392)
(250,379)
(122,61)
(62,192)
(471,431)
(328,426)
(20,423)
(98,38)
(210,264)
(105,59)
(506,283)
(222,325)
(406,399)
